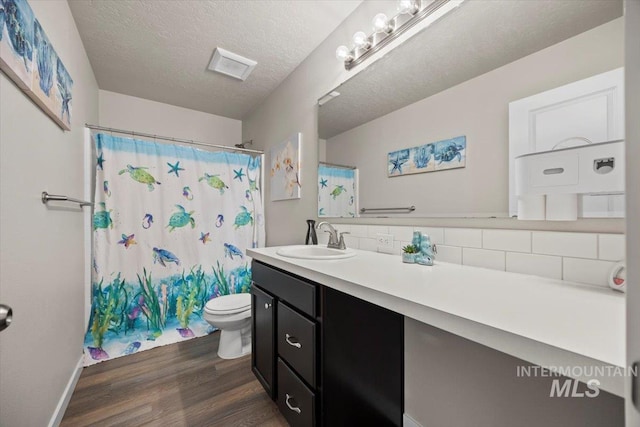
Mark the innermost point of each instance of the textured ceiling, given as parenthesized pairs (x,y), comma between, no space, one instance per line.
(160,49)
(477,37)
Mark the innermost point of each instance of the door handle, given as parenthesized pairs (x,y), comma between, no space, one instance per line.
(293,408)
(6,314)
(295,344)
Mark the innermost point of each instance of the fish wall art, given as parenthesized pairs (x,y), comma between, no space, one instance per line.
(29,59)
(433,157)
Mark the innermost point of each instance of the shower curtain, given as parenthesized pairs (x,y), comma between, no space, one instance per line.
(170,228)
(337,191)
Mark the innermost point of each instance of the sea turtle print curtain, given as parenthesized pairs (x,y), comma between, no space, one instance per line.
(171,225)
(337,191)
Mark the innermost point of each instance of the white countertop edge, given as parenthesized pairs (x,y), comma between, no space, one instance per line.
(524,348)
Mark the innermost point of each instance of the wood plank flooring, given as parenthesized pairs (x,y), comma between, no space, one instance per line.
(183,384)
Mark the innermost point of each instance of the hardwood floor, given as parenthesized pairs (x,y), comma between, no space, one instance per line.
(183,384)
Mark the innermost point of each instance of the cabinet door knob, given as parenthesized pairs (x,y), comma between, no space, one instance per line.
(267,306)
(293,408)
(296,344)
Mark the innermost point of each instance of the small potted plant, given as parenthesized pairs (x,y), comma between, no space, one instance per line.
(409,253)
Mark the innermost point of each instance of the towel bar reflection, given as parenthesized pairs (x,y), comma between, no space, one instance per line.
(408,209)
(46,197)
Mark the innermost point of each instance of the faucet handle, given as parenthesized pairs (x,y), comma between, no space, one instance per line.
(333,239)
(341,244)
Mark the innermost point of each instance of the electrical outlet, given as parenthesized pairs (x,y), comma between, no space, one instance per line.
(385,242)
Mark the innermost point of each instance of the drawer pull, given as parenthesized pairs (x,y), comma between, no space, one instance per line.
(296,344)
(267,306)
(293,408)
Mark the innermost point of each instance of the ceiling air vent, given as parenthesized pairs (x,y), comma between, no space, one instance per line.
(233,65)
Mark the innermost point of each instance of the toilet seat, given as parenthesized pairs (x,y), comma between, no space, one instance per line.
(229,304)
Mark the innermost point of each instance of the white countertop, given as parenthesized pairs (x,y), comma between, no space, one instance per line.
(544,321)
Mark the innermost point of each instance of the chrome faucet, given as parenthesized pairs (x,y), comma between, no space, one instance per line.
(334,241)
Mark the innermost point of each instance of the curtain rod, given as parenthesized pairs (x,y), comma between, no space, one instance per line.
(337,166)
(168,138)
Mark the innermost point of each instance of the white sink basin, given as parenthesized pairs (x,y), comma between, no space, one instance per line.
(315,252)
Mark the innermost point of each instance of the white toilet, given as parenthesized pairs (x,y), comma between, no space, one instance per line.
(232,315)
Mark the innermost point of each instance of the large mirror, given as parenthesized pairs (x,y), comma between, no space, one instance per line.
(445,94)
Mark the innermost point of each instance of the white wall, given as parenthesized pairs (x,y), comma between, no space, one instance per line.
(42,262)
(142,115)
(479,109)
(292,108)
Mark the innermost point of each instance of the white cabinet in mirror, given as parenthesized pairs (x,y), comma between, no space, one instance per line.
(566,151)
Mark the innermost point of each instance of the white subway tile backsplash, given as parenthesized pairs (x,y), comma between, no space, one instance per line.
(387,250)
(397,247)
(611,247)
(452,254)
(466,237)
(537,265)
(323,238)
(589,271)
(342,228)
(436,234)
(404,234)
(579,245)
(359,230)
(483,258)
(351,241)
(368,244)
(373,230)
(507,240)
(578,257)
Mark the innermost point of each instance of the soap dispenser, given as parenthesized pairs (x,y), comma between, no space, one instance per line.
(311,238)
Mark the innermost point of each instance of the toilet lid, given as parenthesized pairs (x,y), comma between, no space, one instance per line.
(229,304)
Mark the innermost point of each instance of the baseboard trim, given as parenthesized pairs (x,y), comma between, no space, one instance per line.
(56,418)
(407,421)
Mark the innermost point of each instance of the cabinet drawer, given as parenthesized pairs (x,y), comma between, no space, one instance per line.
(298,293)
(297,342)
(295,400)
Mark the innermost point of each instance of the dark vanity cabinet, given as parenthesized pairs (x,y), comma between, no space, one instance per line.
(285,342)
(326,358)
(362,362)
(263,339)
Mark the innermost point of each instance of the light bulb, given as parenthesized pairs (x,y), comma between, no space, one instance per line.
(406,6)
(380,23)
(342,53)
(360,39)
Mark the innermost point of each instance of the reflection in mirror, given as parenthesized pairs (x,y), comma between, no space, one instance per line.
(337,191)
(457,78)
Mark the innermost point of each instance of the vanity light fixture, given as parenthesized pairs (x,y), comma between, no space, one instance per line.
(343,54)
(360,40)
(410,13)
(381,24)
(408,6)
